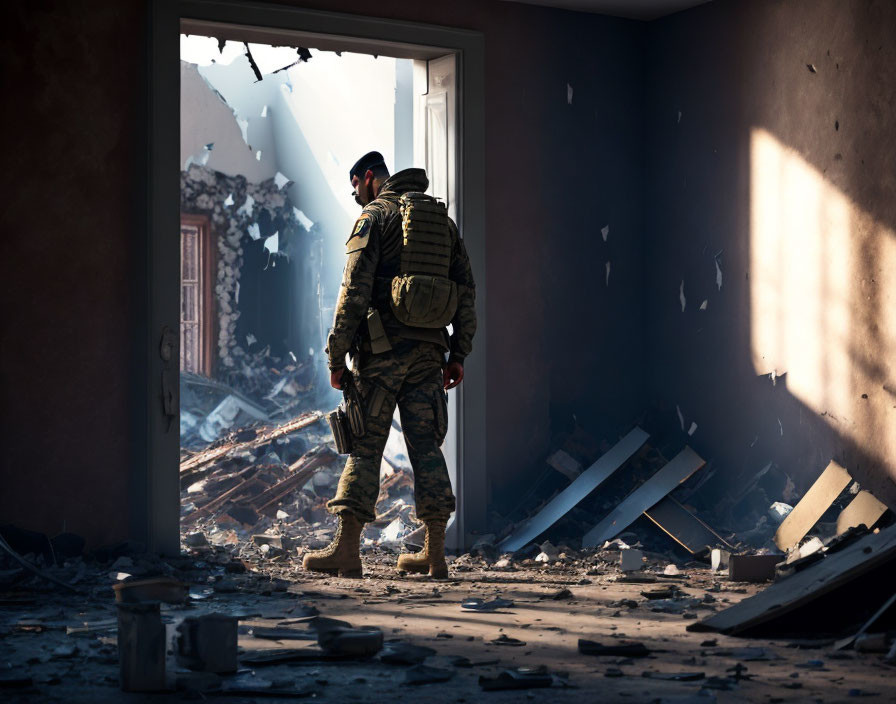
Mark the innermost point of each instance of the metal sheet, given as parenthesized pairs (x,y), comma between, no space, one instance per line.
(583,485)
(806,513)
(684,527)
(682,466)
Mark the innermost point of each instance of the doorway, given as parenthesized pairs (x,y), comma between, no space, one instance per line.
(429,76)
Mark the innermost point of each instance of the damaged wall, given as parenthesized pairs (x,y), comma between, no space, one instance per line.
(254,226)
(557,173)
(772,139)
(207,119)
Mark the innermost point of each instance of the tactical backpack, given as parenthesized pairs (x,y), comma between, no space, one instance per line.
(422,295)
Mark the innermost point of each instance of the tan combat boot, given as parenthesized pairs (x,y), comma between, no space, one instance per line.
(341,557)
(431,559)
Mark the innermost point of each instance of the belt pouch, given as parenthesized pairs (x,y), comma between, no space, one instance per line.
(341,433)
(379,343)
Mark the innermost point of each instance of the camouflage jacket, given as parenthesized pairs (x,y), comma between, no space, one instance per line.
(374,258)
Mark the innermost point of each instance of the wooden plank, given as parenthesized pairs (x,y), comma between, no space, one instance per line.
(805,586)
(201,459)
(583,485)
(817,500)
(300,472)
(651,492)
(684,527)
(863,509)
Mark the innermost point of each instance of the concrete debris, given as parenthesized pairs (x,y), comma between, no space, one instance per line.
(519,678)
(753,568)
(631,560)
(424,674)
(719,559)
(353,642)
(487,606)
(802,601)
(778,511)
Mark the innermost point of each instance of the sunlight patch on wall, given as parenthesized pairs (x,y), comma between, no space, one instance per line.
(822,294)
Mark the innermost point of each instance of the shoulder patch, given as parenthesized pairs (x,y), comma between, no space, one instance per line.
(360,235)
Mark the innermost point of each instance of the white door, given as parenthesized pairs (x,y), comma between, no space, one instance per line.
(435,148)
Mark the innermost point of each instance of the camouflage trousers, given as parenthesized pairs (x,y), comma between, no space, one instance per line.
(410,375)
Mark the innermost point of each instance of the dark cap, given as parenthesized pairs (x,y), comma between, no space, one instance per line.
(369,161)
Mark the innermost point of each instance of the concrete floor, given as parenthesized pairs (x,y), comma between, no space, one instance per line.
(428,612)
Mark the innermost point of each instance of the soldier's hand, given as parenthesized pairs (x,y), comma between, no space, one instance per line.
(453,375)
(336,379)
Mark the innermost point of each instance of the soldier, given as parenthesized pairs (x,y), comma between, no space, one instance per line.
(407,276)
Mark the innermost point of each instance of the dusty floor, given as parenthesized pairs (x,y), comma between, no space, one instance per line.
(83,666)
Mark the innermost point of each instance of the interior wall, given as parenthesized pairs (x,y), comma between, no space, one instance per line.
(71,128)
(556,174)
(771,133)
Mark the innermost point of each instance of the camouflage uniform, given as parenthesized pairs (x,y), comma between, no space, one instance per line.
(410,374)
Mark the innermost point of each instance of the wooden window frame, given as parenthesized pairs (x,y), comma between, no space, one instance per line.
(208,271)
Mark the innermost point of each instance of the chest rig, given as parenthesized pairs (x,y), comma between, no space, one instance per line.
(422,294)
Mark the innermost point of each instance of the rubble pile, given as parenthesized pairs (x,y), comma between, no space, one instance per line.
(265,388)
(260,493)
(584,499)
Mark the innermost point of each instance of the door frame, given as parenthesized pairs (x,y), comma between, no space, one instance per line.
(155,481)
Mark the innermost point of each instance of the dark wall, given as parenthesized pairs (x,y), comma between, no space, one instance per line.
(69,217)
(738,72)
(559,340)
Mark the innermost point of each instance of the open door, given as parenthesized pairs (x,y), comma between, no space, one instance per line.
(435,147)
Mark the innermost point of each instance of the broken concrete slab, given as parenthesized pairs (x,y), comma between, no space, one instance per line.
(684,527)
(583,485)
(833,480)
(753,568)
(784,603)
(631,560)
(682,466)
(864,509)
